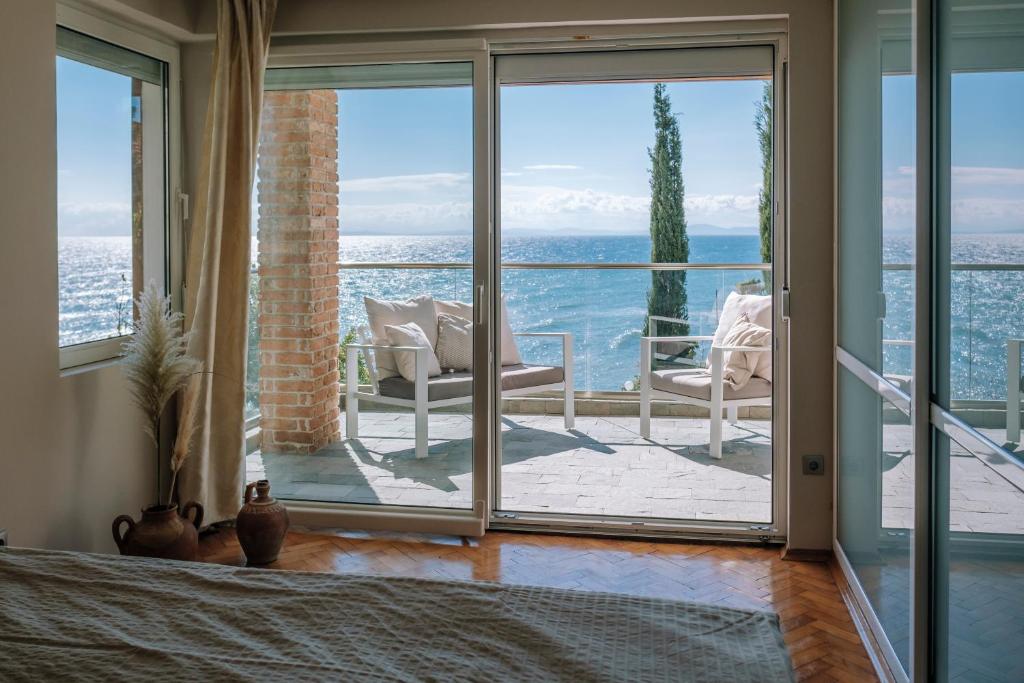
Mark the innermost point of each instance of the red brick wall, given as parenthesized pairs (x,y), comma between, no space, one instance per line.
(298,271)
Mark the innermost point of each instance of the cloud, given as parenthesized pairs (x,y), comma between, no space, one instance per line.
(978,175)
(552,167)
(406,183)
(403,217)
(720,203)
(94,218)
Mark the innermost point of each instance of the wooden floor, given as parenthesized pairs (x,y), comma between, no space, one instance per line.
(821,636)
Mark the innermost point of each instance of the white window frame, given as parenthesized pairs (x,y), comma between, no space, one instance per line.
(163,228)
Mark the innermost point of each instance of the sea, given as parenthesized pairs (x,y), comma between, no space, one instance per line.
(603,309)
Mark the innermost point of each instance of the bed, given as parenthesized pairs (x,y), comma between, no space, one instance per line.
(100,617)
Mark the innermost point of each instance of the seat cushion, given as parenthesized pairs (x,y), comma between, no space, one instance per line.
(522,376)
(697,384)
(460,384)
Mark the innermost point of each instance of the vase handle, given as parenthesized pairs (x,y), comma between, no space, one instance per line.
(119,538)
(249,488)
(197,520)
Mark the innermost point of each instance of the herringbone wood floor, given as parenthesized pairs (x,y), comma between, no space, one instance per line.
(818,629)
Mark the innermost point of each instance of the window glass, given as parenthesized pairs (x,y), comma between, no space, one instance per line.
(110,184)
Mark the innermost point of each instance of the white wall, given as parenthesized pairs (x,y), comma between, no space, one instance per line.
(72,452)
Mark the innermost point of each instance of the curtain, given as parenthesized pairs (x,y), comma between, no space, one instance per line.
(217,280)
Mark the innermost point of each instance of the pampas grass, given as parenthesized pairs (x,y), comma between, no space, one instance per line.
(156,364)
(186,429)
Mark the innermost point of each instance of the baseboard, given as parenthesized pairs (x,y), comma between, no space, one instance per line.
(860,621)
(805,554)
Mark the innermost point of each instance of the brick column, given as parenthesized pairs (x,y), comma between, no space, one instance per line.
(298,271)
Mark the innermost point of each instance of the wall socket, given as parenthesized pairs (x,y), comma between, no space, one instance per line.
(814,464)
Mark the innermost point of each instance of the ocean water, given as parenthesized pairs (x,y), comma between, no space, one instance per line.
(604,310)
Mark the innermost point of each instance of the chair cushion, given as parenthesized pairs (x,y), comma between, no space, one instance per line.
(522,376)
(454,342)
(419,310)
(759,309)
(460,384)
(509,349)
(697,384)
(411,334)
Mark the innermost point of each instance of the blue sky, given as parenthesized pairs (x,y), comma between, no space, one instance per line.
(94,177)
(574,158)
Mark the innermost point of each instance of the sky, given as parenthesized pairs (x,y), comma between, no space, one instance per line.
(573,157)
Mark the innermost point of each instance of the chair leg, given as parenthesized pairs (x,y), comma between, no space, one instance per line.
(421,430)
(645,390)
(570,406)
(716,433)
(733,413)
(351,402)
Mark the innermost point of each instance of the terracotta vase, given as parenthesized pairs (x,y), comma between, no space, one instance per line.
(261,525)
(162,532)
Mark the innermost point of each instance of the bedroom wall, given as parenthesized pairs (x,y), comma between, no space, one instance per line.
(72,452)
(811,169)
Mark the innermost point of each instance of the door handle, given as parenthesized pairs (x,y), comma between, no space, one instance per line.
(478,304)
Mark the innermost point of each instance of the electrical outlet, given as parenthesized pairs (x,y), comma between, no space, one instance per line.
(814,464)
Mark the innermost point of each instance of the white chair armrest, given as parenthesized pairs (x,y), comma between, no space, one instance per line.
(689,338)
(748,349)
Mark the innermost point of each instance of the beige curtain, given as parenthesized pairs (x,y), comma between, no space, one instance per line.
(216,305)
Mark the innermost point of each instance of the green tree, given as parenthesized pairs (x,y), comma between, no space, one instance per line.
(669,243)
(763,123)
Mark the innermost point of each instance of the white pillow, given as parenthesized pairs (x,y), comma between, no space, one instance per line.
(740,366)
(509,349)
(411,334)
(380,314)
(759,310)
(454,342)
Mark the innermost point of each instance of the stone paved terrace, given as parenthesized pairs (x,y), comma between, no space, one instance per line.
(603,466)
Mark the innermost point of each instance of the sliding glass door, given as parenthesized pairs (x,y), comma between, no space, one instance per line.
(367,343)
(930,510)
(636,227)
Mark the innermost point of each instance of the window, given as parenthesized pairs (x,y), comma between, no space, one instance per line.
(112,174)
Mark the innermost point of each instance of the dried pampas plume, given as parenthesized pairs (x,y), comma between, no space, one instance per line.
(186,429)
(156,364)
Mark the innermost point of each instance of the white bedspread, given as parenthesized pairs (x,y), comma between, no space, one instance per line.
(75,616)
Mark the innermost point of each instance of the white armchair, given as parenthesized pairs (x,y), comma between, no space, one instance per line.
(704,386)
(449,388)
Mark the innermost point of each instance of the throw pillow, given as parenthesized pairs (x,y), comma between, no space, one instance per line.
(411,334)
(759,310)
(509,349)
(740,366)
(419,310)
(454,342)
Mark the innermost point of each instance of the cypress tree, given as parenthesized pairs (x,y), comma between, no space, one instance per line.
(669,243)
(763,123)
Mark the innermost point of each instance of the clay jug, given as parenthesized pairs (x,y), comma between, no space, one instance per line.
(161,532)
(261,525)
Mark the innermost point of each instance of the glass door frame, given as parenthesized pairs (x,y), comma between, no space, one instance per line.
(650,526)
(458,522)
